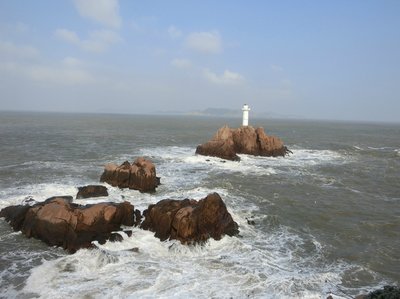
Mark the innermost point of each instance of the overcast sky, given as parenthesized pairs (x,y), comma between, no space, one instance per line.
(312,59)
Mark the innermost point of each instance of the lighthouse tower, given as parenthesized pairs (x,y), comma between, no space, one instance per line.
(245,110)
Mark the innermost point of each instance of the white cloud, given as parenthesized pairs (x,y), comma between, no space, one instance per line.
(98,41)
(277,68)
(10,50)
(24,62)
(21,27)
(71,62)
(105,12)
(59,75)
(67,36)
(181,63)
(174,32)
(136,27)
(204,42)
(12,29)
(228,77)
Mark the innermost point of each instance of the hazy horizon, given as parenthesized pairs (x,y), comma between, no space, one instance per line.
(309,60)
(252,120)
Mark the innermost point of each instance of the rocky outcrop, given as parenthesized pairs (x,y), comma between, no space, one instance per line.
(59,222)
(190,221)
(227,143)
(388,292)
(91,191)
(140,175)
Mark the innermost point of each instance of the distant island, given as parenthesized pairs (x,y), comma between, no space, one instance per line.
(224,112)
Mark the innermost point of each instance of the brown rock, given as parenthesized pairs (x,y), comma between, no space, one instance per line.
(190,221)
(159,217)
(91,191)
(141,175)
(227,143)
(221,145)
(58,222)
(15,215)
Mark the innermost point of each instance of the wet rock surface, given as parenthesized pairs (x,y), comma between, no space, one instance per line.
(59,222)
(140,175)
(190,221)
(91,191)
(227,143)
(388,292)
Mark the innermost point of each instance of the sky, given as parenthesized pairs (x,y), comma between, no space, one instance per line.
(334,60)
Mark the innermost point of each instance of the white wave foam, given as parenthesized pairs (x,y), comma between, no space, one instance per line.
(182,160)
(38,192)
(377,149)
(382,148)
(255,265)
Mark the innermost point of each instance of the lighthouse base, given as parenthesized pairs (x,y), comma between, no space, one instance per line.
(227,143)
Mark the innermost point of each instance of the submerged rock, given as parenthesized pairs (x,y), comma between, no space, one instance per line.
(190,221)
(227,143)
(91,191)
(140,175)
(59,222)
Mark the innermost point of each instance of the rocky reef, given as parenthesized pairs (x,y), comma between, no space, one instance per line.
(227,143)
(140,175)
(387,292)
(59,222)
(190,221)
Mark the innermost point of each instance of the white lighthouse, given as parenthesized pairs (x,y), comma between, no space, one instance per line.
(245,110)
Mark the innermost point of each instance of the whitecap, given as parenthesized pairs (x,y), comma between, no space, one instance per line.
(38,192)
(253,265)
(181,162)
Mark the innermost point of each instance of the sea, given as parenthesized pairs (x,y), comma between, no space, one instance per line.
(322,221)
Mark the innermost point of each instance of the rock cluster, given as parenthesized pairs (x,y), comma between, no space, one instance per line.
(227,143)
(59,222)
(190,221)
(140,175)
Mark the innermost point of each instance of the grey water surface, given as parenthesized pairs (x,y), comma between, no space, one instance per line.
(327,218)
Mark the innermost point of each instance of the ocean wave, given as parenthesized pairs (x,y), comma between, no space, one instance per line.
(38,192)
(182,157)
(280,263)
(269,262)
(254,265)
(379,149)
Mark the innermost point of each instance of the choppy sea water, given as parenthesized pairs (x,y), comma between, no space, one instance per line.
(327,218)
